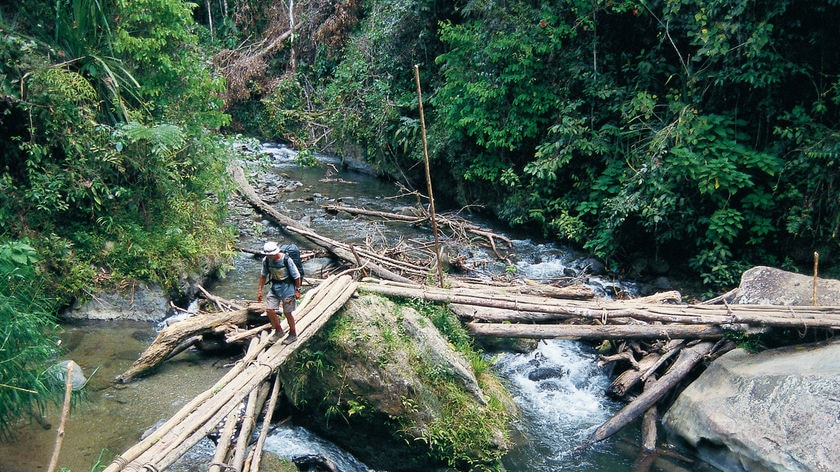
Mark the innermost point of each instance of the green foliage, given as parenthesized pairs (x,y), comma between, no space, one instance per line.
(655,136)
(450,326)
(115,169)
(157,39)
(462,432)
(27,336)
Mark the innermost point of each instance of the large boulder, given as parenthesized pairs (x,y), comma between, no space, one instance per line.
(772,411)
(140,302)
(770,286)
(381,373)
(777,410)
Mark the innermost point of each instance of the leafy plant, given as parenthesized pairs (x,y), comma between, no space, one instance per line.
(27,336)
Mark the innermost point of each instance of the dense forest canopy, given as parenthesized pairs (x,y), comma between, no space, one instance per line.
(704,134)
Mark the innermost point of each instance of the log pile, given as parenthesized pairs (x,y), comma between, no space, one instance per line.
(249,381)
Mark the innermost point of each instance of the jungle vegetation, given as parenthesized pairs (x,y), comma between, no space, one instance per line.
(700,133)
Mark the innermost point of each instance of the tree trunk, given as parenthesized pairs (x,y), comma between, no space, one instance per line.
(174,335)
(594,332)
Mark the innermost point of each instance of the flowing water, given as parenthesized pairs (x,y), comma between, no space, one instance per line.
(559,388)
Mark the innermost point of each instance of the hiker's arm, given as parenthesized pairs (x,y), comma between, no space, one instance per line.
(260,288)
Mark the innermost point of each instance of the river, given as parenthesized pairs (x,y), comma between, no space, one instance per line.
(557,413)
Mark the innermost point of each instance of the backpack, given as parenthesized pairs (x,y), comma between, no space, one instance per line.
(293,252)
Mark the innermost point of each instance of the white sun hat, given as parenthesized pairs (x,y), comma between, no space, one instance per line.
(271,248)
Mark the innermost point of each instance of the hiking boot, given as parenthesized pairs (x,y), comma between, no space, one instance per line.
(292,337)
(278,333)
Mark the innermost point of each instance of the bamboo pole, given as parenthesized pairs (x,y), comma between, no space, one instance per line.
(223,445)
(429,177)
(65,411)
(816,266)
(248,423)
(272,403)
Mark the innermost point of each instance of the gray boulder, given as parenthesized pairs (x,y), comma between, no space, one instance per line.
(773,411)
(78,376)
(769,286)
(141,302)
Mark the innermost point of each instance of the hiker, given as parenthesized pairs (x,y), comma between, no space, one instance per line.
(281,271)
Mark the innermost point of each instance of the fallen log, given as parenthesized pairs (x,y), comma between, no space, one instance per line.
(372,262)
(688,358)
(629,378)
(598,332)
(174,335)
(649,421)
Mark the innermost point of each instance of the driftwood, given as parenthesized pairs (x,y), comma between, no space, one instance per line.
(171,337)
(458,226)
(648,364)
(649,421)
(688,358)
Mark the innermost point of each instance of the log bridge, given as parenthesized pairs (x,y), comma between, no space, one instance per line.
(247,381)
(687,333)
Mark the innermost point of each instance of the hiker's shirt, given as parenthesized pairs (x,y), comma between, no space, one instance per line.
(282,274)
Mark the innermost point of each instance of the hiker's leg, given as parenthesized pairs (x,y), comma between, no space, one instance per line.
(274,320)
(289,307)
(272,303)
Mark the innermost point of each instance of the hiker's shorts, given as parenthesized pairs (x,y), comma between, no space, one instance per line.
(272,302)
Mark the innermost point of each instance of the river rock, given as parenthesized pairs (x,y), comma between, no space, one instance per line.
(386,366)
(141,302)
(545,373)
(777,410)
(78,376)
(770,286)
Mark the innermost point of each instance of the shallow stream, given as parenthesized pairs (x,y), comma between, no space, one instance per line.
(558,412)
